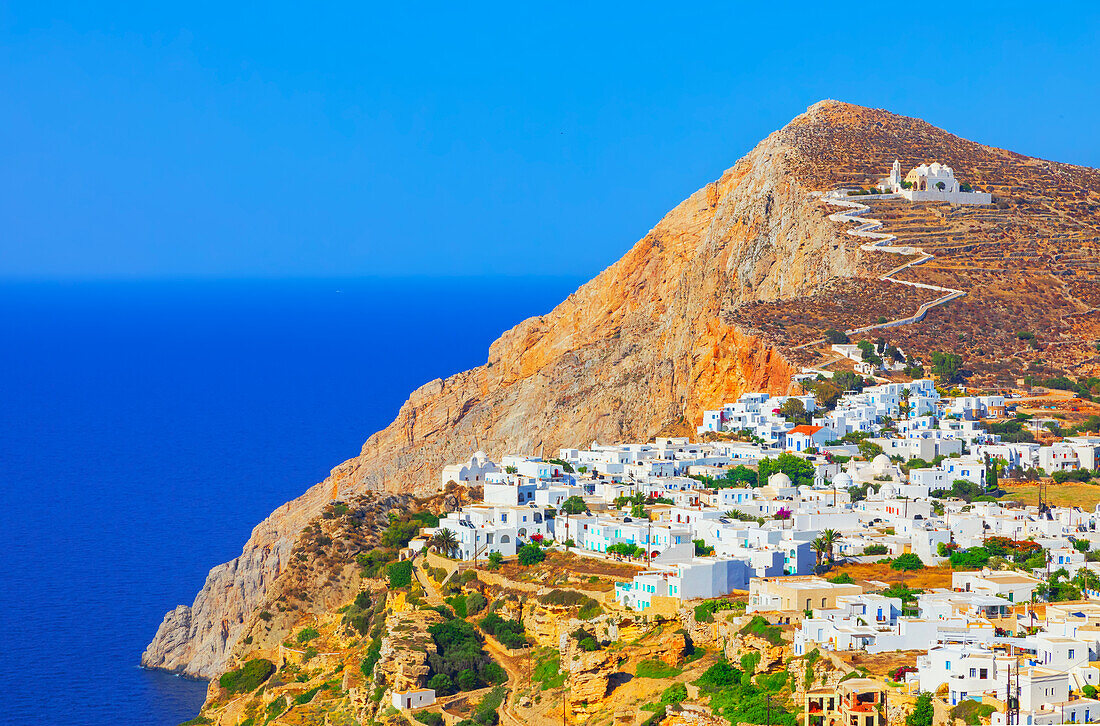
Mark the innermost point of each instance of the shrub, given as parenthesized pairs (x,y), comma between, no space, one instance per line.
(441,684)
(485,713)
(1089,691)
(970,559)
(876,549)
(761,628)
(836,337)
(495,560)
(907,563)
(248,677)
(510,633)
(719,675)
(675,693)
(307,634)
(429,718)
(306,697)
(843,578)
(475,603)
(972,712)
(702,549)
(458,603)
(590,609)
(704,611)
(530,554)
(899,674)
(400,574)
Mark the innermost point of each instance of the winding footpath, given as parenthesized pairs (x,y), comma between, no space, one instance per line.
(881,242)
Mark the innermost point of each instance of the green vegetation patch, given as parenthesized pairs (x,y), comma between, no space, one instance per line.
(653,668)
(400,574)
(761,628)
(248,677)
(734,696)
(548,672)
(704,611)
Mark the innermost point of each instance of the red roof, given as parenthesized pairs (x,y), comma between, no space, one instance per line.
(804,429)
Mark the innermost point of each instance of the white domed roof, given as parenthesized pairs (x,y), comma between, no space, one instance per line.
(843,480)
(888,491)
(881,462)
(779,479)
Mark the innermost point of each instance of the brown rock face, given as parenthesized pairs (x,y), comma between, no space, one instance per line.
(697,312)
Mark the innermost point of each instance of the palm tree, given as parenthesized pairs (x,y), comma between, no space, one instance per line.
(830,537)
(445,541)
(820,548)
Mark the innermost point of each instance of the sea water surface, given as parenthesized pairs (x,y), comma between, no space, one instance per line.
(145,427)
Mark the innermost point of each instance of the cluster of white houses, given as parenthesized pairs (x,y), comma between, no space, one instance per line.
(760,538)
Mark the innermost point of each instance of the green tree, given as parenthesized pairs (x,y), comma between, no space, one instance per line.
(947,367)
(794,411)
(441,684)
(848,381)
(907,562)
(820,549)
(736,475)
(923,711)
(836,337)
(445,541)
(702,549)
(800,471)
(400,574)
(531,554)
(574,505)
(830,537)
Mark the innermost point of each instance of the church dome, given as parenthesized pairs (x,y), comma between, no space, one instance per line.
(881,463)
(888,491)
(843,480)
(779,479)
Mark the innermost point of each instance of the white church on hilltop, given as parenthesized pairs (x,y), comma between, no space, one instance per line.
(933,182)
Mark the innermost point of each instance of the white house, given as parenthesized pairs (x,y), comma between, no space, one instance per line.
(404,700)
(1012,586)
(472,471)
(803,437)
(968,671)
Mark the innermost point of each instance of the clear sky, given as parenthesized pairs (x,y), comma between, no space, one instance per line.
(317,139)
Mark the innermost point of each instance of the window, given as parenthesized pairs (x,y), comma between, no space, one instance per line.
(983,673)
(973,672)
(1071,652)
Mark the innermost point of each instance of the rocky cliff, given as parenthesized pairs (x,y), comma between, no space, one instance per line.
(702,308)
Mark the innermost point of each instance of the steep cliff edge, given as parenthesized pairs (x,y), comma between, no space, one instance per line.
(638,347)
(707,305)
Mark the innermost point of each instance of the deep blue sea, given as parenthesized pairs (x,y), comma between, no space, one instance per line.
(145,427)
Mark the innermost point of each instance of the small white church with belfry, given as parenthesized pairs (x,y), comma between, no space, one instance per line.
(933,182)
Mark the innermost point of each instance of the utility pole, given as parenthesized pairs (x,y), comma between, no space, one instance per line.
(648,538)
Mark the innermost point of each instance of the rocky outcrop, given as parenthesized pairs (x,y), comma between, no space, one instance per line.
(644,347)
(196,640)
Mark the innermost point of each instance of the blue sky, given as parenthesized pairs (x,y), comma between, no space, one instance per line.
(286,140)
